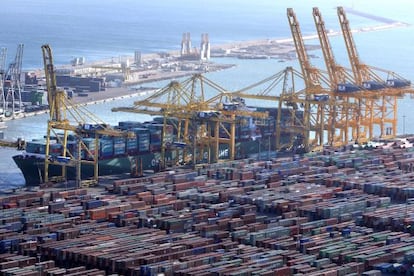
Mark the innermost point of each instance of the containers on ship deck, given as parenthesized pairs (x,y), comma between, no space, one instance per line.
(143,139)
(160,134)
(106,147)
(129,125)
(89,148)
(39,146)
(119,146)
(72,147)
(55,149)
(148,137)
(131,145)
(155,136)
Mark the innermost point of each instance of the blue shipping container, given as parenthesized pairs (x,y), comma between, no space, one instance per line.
(132,145)
(106,148)
(119,145)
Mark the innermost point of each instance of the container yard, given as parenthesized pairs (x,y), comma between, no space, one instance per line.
(338,212)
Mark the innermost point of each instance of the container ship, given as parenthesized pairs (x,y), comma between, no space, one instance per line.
(140,154)
(210,135)
(116,155)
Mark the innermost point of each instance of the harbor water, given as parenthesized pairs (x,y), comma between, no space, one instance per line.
(73,31)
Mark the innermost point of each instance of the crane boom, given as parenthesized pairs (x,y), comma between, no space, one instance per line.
(19,59)
(337,74)
(12,84)
(317,118)
(348,116)
(362,72)
(54,96)
(383,101)
(350,46)
(3,54)
(311,74)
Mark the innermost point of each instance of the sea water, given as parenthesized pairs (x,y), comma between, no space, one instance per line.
(111,29)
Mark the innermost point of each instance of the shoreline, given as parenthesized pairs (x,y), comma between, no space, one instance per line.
(279,48)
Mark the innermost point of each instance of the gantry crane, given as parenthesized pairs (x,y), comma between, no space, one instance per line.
(3,54)
(335,104)
(176,104)
(280,90)
(12,84)
(65,116)
(385,92)
(204,127)
(319,117)
(352,115)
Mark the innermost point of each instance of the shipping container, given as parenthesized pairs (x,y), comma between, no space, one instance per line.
(106,148)
(119,146)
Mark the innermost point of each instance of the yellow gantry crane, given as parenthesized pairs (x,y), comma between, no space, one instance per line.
(381,103)
(280,90)
(204,127)
(333,107)
(357,100)
(71,119)
(350,105)
(319,102)
(176,103)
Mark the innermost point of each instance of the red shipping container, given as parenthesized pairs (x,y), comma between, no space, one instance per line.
(283,271)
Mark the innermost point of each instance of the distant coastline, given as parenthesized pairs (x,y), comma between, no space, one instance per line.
(281,49)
